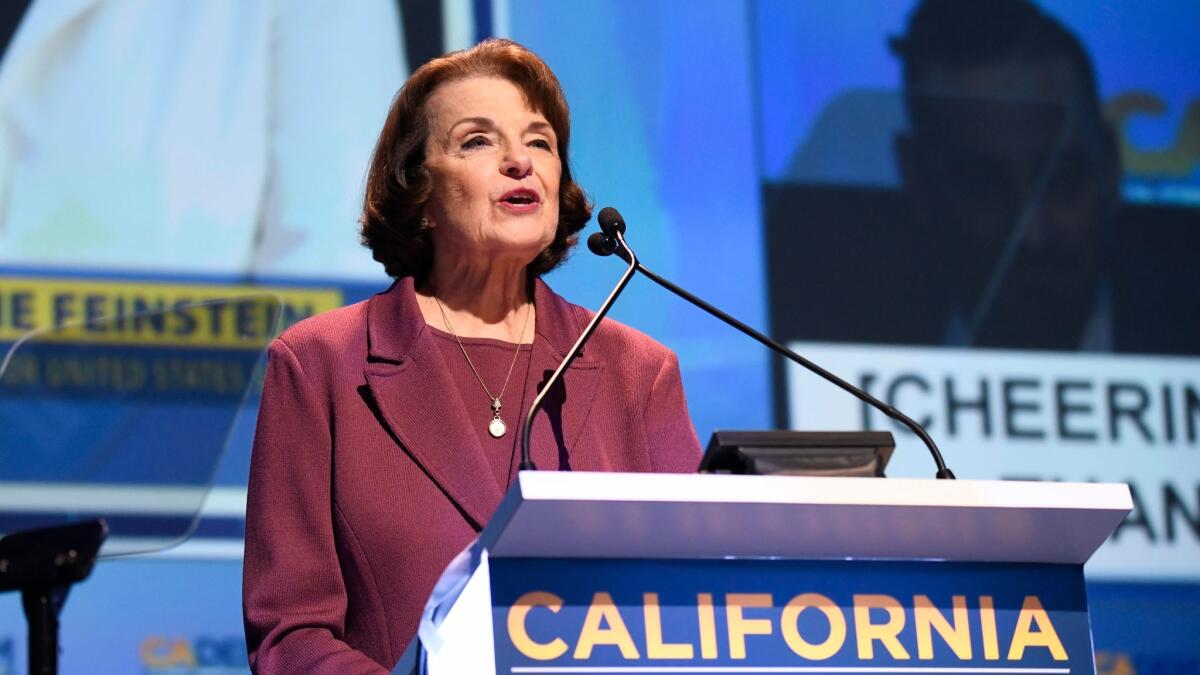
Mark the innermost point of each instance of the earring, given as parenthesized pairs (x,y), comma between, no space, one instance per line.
(424,223)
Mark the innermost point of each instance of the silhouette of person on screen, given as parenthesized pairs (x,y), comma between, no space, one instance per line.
(1010,167)
(1007,229)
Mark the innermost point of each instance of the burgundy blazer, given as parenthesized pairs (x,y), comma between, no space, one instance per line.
(366,478)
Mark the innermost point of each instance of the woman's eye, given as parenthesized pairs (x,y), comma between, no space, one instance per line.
(541,143)
(475,142)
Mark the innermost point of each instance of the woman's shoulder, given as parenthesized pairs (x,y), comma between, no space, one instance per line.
(336,331)
(614,339)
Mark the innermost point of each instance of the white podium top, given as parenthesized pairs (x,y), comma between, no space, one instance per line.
(551,514)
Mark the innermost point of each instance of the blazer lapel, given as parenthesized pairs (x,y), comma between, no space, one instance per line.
(557,426)
(419,403)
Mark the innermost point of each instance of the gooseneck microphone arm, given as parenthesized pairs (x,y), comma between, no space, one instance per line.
(613,237)
(618,246)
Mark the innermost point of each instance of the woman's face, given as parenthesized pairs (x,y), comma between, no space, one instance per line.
(495,170)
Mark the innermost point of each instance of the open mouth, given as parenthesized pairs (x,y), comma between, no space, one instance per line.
(520,197)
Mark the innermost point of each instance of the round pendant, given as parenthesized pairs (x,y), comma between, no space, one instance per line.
(496,428)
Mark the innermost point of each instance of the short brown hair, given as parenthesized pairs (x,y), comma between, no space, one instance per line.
(398,185)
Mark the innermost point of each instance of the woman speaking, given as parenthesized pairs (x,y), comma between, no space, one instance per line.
(388,430)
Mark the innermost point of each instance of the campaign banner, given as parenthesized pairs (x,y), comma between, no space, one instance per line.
(118,398)
(759,616)
(153,312)
(999,414)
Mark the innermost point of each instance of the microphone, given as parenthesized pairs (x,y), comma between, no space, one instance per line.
(611,222)
(613,228)
(611,240)
(601,244)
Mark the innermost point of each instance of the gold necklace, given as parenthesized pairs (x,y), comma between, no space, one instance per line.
(496,427)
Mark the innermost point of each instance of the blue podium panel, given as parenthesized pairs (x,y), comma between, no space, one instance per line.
(788,616)
(639,573)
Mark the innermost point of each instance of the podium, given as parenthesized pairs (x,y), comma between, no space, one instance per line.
(649,573)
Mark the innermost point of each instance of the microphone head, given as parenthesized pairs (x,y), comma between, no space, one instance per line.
(611,221)
(601,244)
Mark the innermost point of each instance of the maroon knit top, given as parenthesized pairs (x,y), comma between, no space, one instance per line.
(491,359)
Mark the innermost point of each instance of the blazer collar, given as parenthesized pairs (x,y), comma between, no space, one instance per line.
(417,400)
(414,397)
(394,322)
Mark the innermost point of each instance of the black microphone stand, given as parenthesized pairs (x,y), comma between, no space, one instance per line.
(623,251)
(616,237)
(43,564)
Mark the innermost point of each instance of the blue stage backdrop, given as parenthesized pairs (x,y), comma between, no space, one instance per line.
(991,222)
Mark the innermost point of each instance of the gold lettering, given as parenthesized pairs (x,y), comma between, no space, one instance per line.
(655,647)
(603,610)
(927,619)
(790,627)
(867,632)
(1180,159)
(987,626)
(1046,636)
(708,625)
(520,637)
(739,626)
(157,652)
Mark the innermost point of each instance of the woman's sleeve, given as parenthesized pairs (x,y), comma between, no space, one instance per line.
(293,594)
(674,447)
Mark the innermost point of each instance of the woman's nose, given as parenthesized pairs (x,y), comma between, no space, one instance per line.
(517,163)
